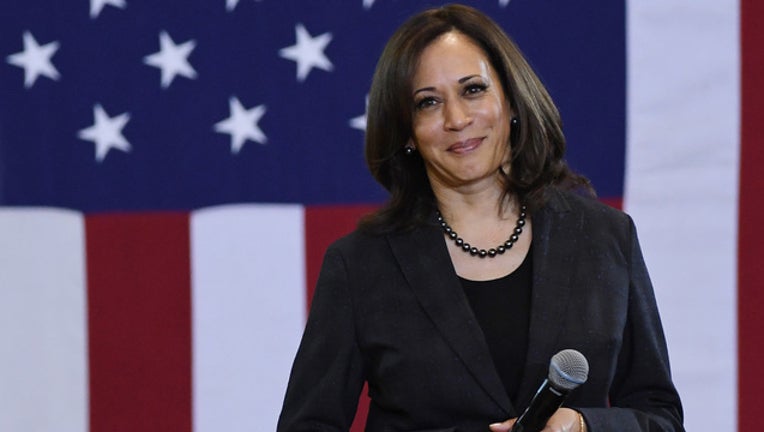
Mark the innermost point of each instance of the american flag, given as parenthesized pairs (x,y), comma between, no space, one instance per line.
(172,171)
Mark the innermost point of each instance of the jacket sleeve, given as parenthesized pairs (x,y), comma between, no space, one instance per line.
(327,374)
(642,395)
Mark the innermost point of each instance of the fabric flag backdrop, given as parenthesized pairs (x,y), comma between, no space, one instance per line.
(171,173)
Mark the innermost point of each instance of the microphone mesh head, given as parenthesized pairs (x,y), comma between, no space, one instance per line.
(568,369)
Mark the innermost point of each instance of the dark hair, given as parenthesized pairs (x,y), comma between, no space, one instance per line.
(537,149)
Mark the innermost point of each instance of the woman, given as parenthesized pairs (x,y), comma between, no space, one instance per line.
(454,332)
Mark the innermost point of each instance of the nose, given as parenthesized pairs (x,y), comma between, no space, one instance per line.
(456,115)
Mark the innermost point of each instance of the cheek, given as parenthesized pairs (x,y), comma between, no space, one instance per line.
(500,114)
(500,118)
(425,131)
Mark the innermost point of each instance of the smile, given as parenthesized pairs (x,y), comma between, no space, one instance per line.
(466,146)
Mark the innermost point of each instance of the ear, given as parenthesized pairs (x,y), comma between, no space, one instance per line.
(409,148)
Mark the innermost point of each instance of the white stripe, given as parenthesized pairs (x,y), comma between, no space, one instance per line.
(681,188)
(248,283)
(43,338)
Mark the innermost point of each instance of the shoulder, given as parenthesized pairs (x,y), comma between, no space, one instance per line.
(360,240)
(586,219)
(370,252)
(358,249)
(356,241)
(590,209)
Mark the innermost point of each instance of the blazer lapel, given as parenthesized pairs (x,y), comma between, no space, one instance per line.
(424,261)
(555,233)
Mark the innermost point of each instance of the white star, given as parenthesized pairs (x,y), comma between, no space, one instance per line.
(97,5)
(308,52)
(367,4)
(35,60)
(242,124)
(231,4)
(360,121)
(106,132)
(503,3)
(172,59)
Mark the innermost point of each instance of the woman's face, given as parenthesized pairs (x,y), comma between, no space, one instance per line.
(461,116)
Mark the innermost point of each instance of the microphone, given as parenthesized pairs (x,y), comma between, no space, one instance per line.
(567,370)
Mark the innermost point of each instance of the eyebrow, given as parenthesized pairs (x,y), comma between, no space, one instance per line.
(461,81)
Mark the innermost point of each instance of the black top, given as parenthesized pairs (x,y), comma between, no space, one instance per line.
(502,307)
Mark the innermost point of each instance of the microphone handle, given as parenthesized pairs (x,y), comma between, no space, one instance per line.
(546,401)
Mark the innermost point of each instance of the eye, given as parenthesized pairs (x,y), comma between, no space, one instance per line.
(425,102)
(475,88)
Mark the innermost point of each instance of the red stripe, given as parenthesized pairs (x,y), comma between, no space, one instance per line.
(750,228)
(139,313)
(613,202)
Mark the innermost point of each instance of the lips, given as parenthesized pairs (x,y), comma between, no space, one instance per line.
(465,146)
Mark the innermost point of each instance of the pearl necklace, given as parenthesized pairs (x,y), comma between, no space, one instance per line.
(482,253)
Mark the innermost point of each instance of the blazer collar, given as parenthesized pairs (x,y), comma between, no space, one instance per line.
(424,261)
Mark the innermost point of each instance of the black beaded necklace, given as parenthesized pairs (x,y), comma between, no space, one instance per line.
(482,253)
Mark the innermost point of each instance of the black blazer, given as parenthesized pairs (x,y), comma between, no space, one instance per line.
(391,310)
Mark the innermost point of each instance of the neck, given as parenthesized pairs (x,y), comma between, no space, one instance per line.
(476,205)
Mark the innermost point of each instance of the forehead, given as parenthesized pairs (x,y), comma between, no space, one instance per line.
(454,55)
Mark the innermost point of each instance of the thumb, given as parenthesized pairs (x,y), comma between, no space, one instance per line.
(503,426)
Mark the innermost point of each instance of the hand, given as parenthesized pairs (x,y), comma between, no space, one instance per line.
(563,420)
